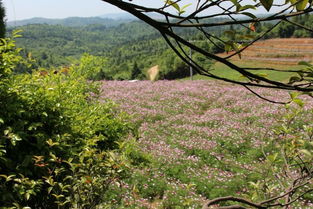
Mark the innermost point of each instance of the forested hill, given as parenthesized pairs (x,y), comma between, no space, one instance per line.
(55,44)
(125,44)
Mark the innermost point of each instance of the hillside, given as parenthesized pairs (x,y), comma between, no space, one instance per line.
(286,51)
(123,46)
(55,45)
(130,45)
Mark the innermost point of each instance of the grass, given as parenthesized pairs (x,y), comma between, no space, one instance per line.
(224,71)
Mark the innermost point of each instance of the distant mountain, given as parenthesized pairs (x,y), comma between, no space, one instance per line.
(119,16)
(127,16)
(72,21)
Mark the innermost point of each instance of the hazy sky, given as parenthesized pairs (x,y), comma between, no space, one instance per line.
(24,9)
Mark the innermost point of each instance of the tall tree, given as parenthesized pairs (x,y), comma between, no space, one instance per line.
(135,71)
(2,21)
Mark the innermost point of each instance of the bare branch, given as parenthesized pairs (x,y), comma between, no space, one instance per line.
(233,199)
(299,25)
(264,98)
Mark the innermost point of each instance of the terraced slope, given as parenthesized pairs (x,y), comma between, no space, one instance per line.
(287,51)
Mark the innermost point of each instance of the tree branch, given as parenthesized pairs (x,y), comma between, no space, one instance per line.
(234,199)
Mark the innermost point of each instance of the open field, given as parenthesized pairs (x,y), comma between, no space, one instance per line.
(282,51)
(226,72)
(201,139)
(277,53)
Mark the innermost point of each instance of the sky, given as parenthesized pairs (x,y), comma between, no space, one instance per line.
(25,9)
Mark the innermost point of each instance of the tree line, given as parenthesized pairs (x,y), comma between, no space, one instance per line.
(129,46)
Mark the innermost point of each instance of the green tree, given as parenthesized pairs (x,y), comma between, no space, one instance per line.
(55,138)
(286,30)
(135,73)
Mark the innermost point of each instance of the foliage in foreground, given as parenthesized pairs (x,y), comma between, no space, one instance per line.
(58,144)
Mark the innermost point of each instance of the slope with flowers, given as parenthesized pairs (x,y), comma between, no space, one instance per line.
(204,140)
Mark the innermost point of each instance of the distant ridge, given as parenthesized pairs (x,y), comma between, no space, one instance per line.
(127,16)
(119,16)
(73,21)
(109,20)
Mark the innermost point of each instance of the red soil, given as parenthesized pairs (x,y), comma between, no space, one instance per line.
(287,51)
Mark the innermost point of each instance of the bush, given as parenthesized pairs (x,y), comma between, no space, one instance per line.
(57,142)
(93,67)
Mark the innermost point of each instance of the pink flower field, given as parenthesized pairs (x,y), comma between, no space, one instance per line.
(204,139)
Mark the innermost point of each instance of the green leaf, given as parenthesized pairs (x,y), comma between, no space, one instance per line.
(238,6)
(184,7)
(246,7)
(51,143)
(58,196)
(173,4)
(9,178)
(50,189)
(294,95)
(1,121)
(6,132)
(249,14)
(301,5)
(272,158)
(27,196)
(298,102)
(267,4)
(228,47)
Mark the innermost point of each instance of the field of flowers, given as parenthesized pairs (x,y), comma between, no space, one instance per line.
(197,140)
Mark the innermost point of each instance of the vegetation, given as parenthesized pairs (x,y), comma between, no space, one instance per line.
(175,19)
(58,142)
(205,143)
(167,144)
(124,44)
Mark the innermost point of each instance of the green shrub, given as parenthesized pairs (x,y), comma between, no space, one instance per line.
(93,67)
(57,141)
